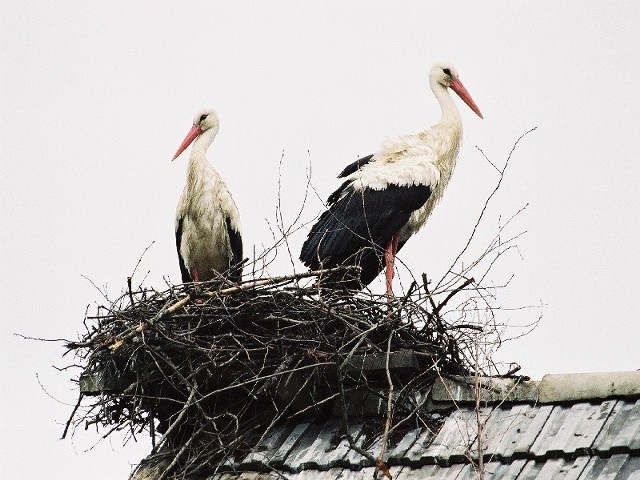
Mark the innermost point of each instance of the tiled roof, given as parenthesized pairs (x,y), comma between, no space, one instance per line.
(584,426)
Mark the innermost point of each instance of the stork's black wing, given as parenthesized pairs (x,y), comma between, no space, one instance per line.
(235,240)
(357,227)
(348,170)
(355,166)
(183,268)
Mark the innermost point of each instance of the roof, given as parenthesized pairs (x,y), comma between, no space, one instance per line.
(569,426)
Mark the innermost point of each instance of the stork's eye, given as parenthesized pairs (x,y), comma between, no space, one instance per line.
(446,71)
(202,117)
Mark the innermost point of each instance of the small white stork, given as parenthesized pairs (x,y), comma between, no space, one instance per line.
(388,196)
(207,219)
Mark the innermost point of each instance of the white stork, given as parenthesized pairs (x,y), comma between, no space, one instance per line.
(207,219)
(388,196)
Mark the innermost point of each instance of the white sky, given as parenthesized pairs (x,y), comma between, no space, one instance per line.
(96,97)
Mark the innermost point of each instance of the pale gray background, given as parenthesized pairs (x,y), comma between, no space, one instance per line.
(96,97)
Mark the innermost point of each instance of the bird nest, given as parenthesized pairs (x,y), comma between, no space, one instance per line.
(209,370)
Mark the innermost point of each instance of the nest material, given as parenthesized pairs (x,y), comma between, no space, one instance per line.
(214,370)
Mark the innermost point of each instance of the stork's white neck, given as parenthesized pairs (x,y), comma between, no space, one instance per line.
(202,143)
(450,113)
(199,169)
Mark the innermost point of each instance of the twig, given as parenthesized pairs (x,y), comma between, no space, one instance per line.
(178,419)
(143,326)
(71,417)
(458,289)
(345,422)
(129,290)
(387,424)
(488,200)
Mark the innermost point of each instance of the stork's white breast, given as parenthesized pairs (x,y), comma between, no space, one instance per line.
(204,207)
(427,158)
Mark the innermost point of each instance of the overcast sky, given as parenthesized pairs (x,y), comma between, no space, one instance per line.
(96,98)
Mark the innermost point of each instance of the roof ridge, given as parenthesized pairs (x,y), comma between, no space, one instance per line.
(553,388)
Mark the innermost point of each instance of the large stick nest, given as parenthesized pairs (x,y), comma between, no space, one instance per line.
(215,368)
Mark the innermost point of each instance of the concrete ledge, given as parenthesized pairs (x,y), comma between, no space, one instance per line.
(553,388)
(492,390)
(588,386)
(100,383)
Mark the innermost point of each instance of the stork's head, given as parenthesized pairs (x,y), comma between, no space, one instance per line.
(204,121)
(445,74)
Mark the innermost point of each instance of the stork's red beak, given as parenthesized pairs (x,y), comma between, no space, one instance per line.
(456,86)
(191,136)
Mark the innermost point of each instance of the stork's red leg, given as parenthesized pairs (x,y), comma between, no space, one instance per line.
(389,259)
(196,278)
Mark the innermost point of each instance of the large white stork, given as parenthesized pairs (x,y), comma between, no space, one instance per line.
(207,219)
(386,197)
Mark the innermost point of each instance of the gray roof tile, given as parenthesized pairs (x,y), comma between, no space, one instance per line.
(497,471)
(290,441)
(353,459)
(263,452)
(596,439)
(505,429)
(571,430)
(454,439)
(552,469)
(534,421)
(312,456)
(417,453)
(399,452)
(432,472)
(338,456)
(617,467)
(621,431)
